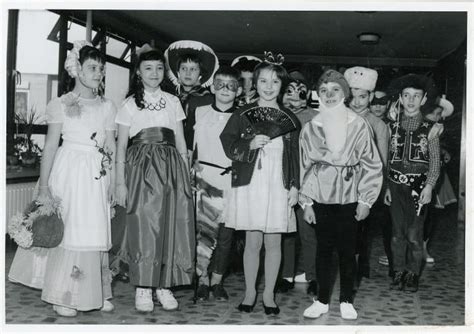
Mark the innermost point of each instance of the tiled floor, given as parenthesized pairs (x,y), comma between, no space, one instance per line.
(439,301)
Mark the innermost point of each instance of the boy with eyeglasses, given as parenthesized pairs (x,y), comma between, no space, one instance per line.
(213,181)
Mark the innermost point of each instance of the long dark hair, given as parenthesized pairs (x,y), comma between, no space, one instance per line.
(86,52)
(136,86)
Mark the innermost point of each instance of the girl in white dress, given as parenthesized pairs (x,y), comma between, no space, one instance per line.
(79,172)
(265,182)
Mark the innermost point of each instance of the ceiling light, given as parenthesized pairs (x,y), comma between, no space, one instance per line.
(368,38)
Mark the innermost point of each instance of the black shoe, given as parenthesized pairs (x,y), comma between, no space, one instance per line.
(246,308)
(398,282)
(219,292)
(412,281)
(312,288)
(283,285)
(271,310)
(364,270)
(202,292)
(122,277)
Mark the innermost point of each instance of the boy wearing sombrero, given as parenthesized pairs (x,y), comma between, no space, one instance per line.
(190,67)
(414,167)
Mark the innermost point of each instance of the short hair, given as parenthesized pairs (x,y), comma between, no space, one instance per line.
(280,71)
(228,71)
(186,58)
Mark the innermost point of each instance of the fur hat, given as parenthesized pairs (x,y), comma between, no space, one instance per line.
(209,61)
(361,77)
(245,63)
(334,76)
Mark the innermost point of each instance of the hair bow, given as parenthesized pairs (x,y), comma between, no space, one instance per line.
(268,57)
(71,65)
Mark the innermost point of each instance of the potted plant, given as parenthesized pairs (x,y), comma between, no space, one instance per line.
(27,148)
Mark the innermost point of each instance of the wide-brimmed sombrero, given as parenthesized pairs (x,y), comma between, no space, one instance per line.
(209,61)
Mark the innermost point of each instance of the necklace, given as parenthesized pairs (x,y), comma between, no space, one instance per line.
(161,104)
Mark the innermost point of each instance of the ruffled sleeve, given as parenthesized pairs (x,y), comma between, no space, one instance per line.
(55,111)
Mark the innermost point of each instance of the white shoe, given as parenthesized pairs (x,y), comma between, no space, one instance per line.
(301,278)
(348,311)
(107,307)
(64,311)
(383,260)
(316,310)
(143,300)
(429,258)
(166,299)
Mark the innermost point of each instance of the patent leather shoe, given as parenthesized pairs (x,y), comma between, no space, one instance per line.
(246,308)
(271,310)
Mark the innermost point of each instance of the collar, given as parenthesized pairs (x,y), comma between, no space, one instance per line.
(228,111)
(155,95)
(363,113)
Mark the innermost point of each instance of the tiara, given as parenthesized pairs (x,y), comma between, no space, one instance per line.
(144,48)
(268,57)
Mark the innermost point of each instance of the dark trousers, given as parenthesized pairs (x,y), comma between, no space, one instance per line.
(336,227)
(221,256)
(307,253)
(379,214)
(407,230)
(429,226)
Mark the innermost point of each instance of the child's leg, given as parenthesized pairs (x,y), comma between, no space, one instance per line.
(272,265)
(307,235)
(415,241)
(288,255)
(220,258)
(401,198)
(346,244)
(253,244)
(325,233)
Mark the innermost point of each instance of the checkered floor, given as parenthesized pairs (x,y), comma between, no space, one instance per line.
(439,301)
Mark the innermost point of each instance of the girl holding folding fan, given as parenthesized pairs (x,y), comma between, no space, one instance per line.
(261,139)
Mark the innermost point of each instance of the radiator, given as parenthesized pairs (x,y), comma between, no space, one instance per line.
(18,196)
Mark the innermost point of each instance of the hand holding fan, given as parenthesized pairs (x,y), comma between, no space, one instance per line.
(269,121)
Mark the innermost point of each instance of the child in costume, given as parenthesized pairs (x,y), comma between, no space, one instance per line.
(444,193)
(414,166)
(265,181)
(190,67)
(80,172)
(379,108)
(212,166)
(341,180)
(379,105)
(362,82)
(295,99)
(246,66)
(153,184)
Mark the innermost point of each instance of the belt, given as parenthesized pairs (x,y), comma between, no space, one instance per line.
(226,169)
(414,180)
